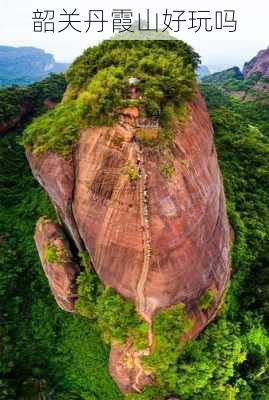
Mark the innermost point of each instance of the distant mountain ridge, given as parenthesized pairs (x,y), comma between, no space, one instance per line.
(259,63)
(252,83)
(224,76)
(24,65)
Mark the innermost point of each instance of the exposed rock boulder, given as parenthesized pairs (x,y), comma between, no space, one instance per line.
(57,262)
(125,370)
(260,63)
(187,217)
(56,175)
(155,239)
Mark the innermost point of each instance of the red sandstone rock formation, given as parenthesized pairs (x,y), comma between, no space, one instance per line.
(155,240)
(260,63)
(58,265)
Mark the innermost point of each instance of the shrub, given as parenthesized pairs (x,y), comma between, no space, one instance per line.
(206,299)
(130,170)
(84,259)
(147,136)
(116,317)
(50,253)
(87,292)
(167,169)
(55,130)
(55,254)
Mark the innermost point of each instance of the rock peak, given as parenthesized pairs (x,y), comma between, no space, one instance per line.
(259,63)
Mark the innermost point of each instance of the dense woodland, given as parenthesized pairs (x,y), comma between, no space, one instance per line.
(13,98)
(63,356)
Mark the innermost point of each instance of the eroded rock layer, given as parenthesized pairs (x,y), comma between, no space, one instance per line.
(57,262)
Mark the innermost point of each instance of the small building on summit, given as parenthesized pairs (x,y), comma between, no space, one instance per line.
(133,91)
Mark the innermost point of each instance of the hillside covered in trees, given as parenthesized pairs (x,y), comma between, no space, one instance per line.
(46,352)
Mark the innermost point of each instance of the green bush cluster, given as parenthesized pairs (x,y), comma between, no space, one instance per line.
(206,299)
(167,169)
(50,253)
(130,170)
(168,327)
(55,254)
(65,119)
(116,317)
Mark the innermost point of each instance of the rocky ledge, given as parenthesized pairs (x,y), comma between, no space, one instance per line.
(57,262)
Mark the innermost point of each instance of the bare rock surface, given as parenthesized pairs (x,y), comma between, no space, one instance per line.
(57,262)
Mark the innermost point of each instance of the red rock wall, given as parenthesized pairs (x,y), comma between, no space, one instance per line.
(62,273)
(187,218)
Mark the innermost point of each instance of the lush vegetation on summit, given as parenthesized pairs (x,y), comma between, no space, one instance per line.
(98,83)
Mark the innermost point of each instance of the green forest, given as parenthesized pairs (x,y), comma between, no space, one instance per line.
(14,97)
(49,354)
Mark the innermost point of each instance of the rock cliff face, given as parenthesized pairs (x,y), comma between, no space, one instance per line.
(260,63)
(154,239)
(57,262)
